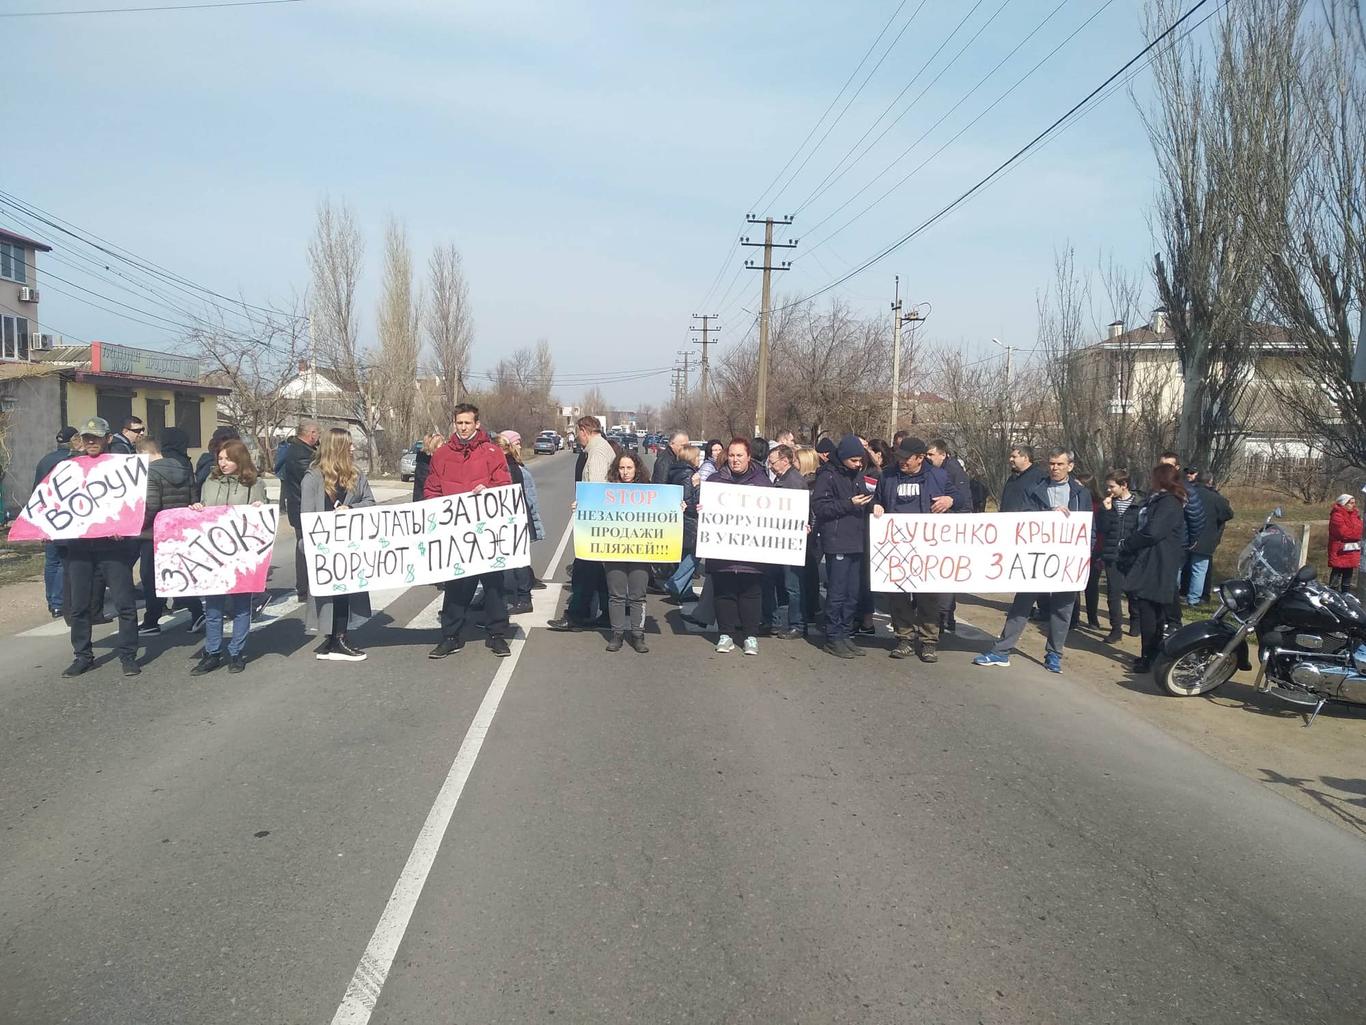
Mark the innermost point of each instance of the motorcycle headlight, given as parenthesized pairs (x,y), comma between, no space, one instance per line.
(1238,595)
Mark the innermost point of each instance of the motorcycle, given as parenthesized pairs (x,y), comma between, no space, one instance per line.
(1311,639)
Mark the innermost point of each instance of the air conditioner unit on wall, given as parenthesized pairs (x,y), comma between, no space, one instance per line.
(28,295)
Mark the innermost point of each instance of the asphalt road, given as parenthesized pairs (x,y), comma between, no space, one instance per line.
(675,837)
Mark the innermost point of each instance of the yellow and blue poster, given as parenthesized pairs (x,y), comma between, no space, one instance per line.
(628,522)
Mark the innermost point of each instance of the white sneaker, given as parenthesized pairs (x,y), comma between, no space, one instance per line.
(751,645)
(725,644)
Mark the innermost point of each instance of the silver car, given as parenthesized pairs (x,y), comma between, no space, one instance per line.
(407,464)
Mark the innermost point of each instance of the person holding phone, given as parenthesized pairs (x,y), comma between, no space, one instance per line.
(840,504)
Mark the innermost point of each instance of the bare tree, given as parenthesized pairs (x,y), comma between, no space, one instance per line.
(1318,275)
(520,394)
(395,374)
(978,421)
(256,355)
(334,258)
(1220,140)
(594,402)
(450,322)
(1075,372)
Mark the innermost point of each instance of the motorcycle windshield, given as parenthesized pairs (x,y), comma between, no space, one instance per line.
(1270,560)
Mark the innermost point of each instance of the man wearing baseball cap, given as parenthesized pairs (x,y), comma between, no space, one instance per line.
(109,557)
(915,485)
(53,553)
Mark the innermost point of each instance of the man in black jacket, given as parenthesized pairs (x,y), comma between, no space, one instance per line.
(1024,474)
(170,485)
(914,485)
(1059,492)
(667,456)
(54,555)
(125,442)
(840,504)
(1217,514)
(960,495)
(1118,519)
(787,580)
(292,464)
(111,557)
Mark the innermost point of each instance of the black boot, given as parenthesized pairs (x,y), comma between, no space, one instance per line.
(637,641)
(614,642)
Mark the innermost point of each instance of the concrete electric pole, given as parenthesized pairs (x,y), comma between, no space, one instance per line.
(1010,398)
(897,320)
(687,357)
(761,409)
(705,387)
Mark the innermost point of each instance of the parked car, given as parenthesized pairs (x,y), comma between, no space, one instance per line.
(554,436)
(407,463)
(545,445)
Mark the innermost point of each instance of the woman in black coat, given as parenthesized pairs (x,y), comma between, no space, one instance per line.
(738,584)
(1152,557)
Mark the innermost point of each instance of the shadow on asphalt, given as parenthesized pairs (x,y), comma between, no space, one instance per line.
(1344,799)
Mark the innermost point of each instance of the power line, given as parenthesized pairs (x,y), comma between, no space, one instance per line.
(863,60)
(843,110)
(144,10)
(1004,165)
(957,135)
(1114,88)
(41,324)
(111,249)
(757,204)
(832,176)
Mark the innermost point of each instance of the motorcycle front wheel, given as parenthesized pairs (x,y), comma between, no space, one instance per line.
(1184,676)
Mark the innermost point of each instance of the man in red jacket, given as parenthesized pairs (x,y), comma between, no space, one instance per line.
(469,462)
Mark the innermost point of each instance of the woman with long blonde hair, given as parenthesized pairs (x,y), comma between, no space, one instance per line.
(334,481)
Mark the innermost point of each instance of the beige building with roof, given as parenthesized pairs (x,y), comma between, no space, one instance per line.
(67,385)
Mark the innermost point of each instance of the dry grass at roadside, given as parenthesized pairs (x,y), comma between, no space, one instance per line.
(20,563)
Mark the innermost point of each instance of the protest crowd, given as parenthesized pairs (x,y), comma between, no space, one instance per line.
(789,541)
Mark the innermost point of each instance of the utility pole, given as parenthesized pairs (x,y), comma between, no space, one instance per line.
(687,357)
(705,340)
(897,320)
(1010,398)
(313,370)
(761,410)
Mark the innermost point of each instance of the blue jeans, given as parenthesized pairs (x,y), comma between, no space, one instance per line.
(794,580)
(681,582)
(774,593)
(1199,567)
(842,582)
(52,575)
(238,606)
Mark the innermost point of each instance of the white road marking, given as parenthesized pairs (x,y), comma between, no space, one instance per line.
(368,981)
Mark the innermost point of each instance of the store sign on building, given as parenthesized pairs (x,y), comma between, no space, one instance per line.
(121,359)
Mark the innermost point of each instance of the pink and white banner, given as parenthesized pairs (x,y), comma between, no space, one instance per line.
(224,549)
(980,553)
(86,497)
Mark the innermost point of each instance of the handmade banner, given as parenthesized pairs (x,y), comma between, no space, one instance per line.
(391,546)
(224,549)
(628,522)
(86,497)
(748,524)
(980,552)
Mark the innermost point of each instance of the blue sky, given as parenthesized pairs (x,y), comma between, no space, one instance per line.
(592,160)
